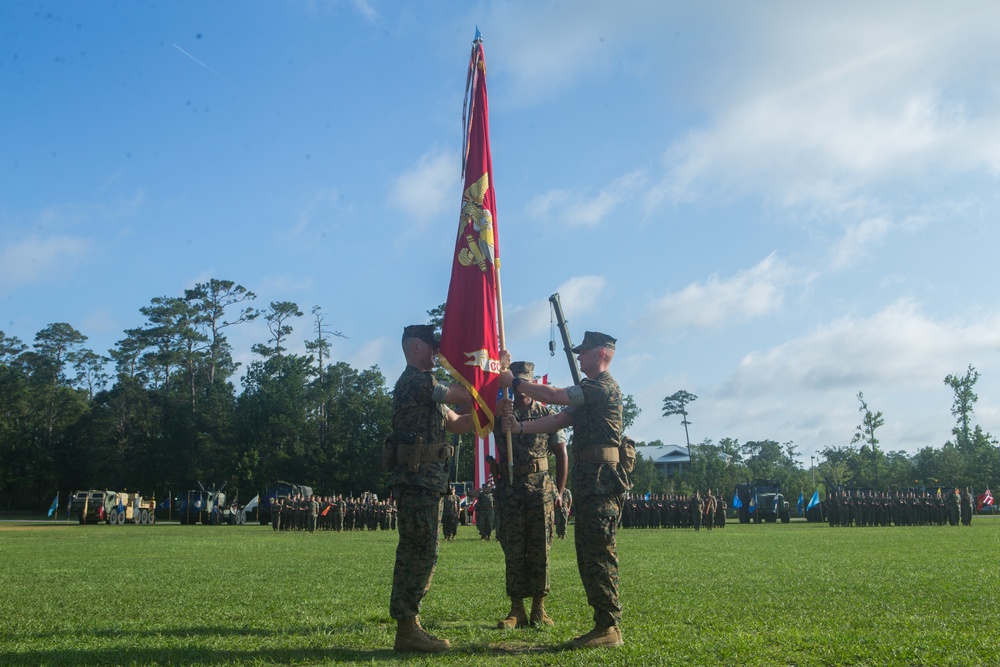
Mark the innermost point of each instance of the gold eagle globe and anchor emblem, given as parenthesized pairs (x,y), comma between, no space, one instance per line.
(479,240)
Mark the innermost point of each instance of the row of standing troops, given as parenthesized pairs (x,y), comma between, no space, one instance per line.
(334,513)
(675,511)
(489,514)
(452,513)
(899,509)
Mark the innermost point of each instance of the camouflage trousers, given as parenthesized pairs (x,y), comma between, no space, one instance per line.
(526,526)
(450,524)
(419,512)
(484,521)
(597,519)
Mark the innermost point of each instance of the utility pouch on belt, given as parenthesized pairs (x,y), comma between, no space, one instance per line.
(626,451)
(413,454)
(396,447)
(600,454)
(389,453)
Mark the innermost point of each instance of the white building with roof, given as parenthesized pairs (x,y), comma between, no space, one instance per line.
(669,459)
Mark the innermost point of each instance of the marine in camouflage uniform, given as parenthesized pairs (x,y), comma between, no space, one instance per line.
(954,507)
(419,479)
(449,517)
(525,506)
(339,510)
(484,512)
(313,507)
(967,507)
(562,514)
(598,478)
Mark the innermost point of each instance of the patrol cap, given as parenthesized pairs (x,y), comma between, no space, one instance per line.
(592,339)
(424,332)
(523,369)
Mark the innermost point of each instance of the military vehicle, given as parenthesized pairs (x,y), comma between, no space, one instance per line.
(208,507)
(124,507)
(278,490)
(761,501)
(112,507)
(88,506)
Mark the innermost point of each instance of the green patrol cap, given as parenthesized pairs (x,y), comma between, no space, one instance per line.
(524,370)
(592,339)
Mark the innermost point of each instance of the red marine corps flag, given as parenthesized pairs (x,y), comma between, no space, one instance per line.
(471,331)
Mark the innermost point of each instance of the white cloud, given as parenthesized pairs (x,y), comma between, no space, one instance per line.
(868,99)
(372,353)
(546,48)
(897,347)
(430,188)
(578,295)
(578,209)
(748,294)
(323,200)
(858,241)
(366,10)
(38,257)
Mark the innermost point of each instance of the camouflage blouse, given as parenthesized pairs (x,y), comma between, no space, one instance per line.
(415,411)
(597,422)
(527,446)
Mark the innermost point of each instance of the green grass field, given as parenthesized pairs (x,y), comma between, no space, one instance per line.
(796,594)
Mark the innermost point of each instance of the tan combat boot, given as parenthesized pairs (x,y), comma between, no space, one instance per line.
(600,636)
(517,618)
(538,615)
(411,637)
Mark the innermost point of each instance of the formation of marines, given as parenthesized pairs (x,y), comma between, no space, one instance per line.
(675,511)
(333,513)
(899,508)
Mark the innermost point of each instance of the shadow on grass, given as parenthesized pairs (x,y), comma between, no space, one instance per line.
(193,654)
(206,656)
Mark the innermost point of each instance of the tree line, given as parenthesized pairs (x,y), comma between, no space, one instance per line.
(160,411)
(971,457)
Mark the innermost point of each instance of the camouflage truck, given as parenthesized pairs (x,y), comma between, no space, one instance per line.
(88,506)
(114,508)
(761,501)
(208,507)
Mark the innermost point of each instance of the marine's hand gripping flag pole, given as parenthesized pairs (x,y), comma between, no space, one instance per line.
(472,333)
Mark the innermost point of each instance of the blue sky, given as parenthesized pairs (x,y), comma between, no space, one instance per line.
(772,205)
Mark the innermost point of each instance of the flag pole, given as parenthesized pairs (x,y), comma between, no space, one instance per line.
(496,274)
(503,346)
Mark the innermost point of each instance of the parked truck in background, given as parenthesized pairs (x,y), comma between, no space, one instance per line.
(761,501)
(115,508)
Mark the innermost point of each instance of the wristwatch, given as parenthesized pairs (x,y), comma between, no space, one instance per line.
(515,382)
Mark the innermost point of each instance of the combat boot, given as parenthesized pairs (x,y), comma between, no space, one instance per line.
(538,615)
(600,636)
(411,637)
(517,618)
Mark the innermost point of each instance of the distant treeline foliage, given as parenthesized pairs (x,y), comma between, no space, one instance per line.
(161,413)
